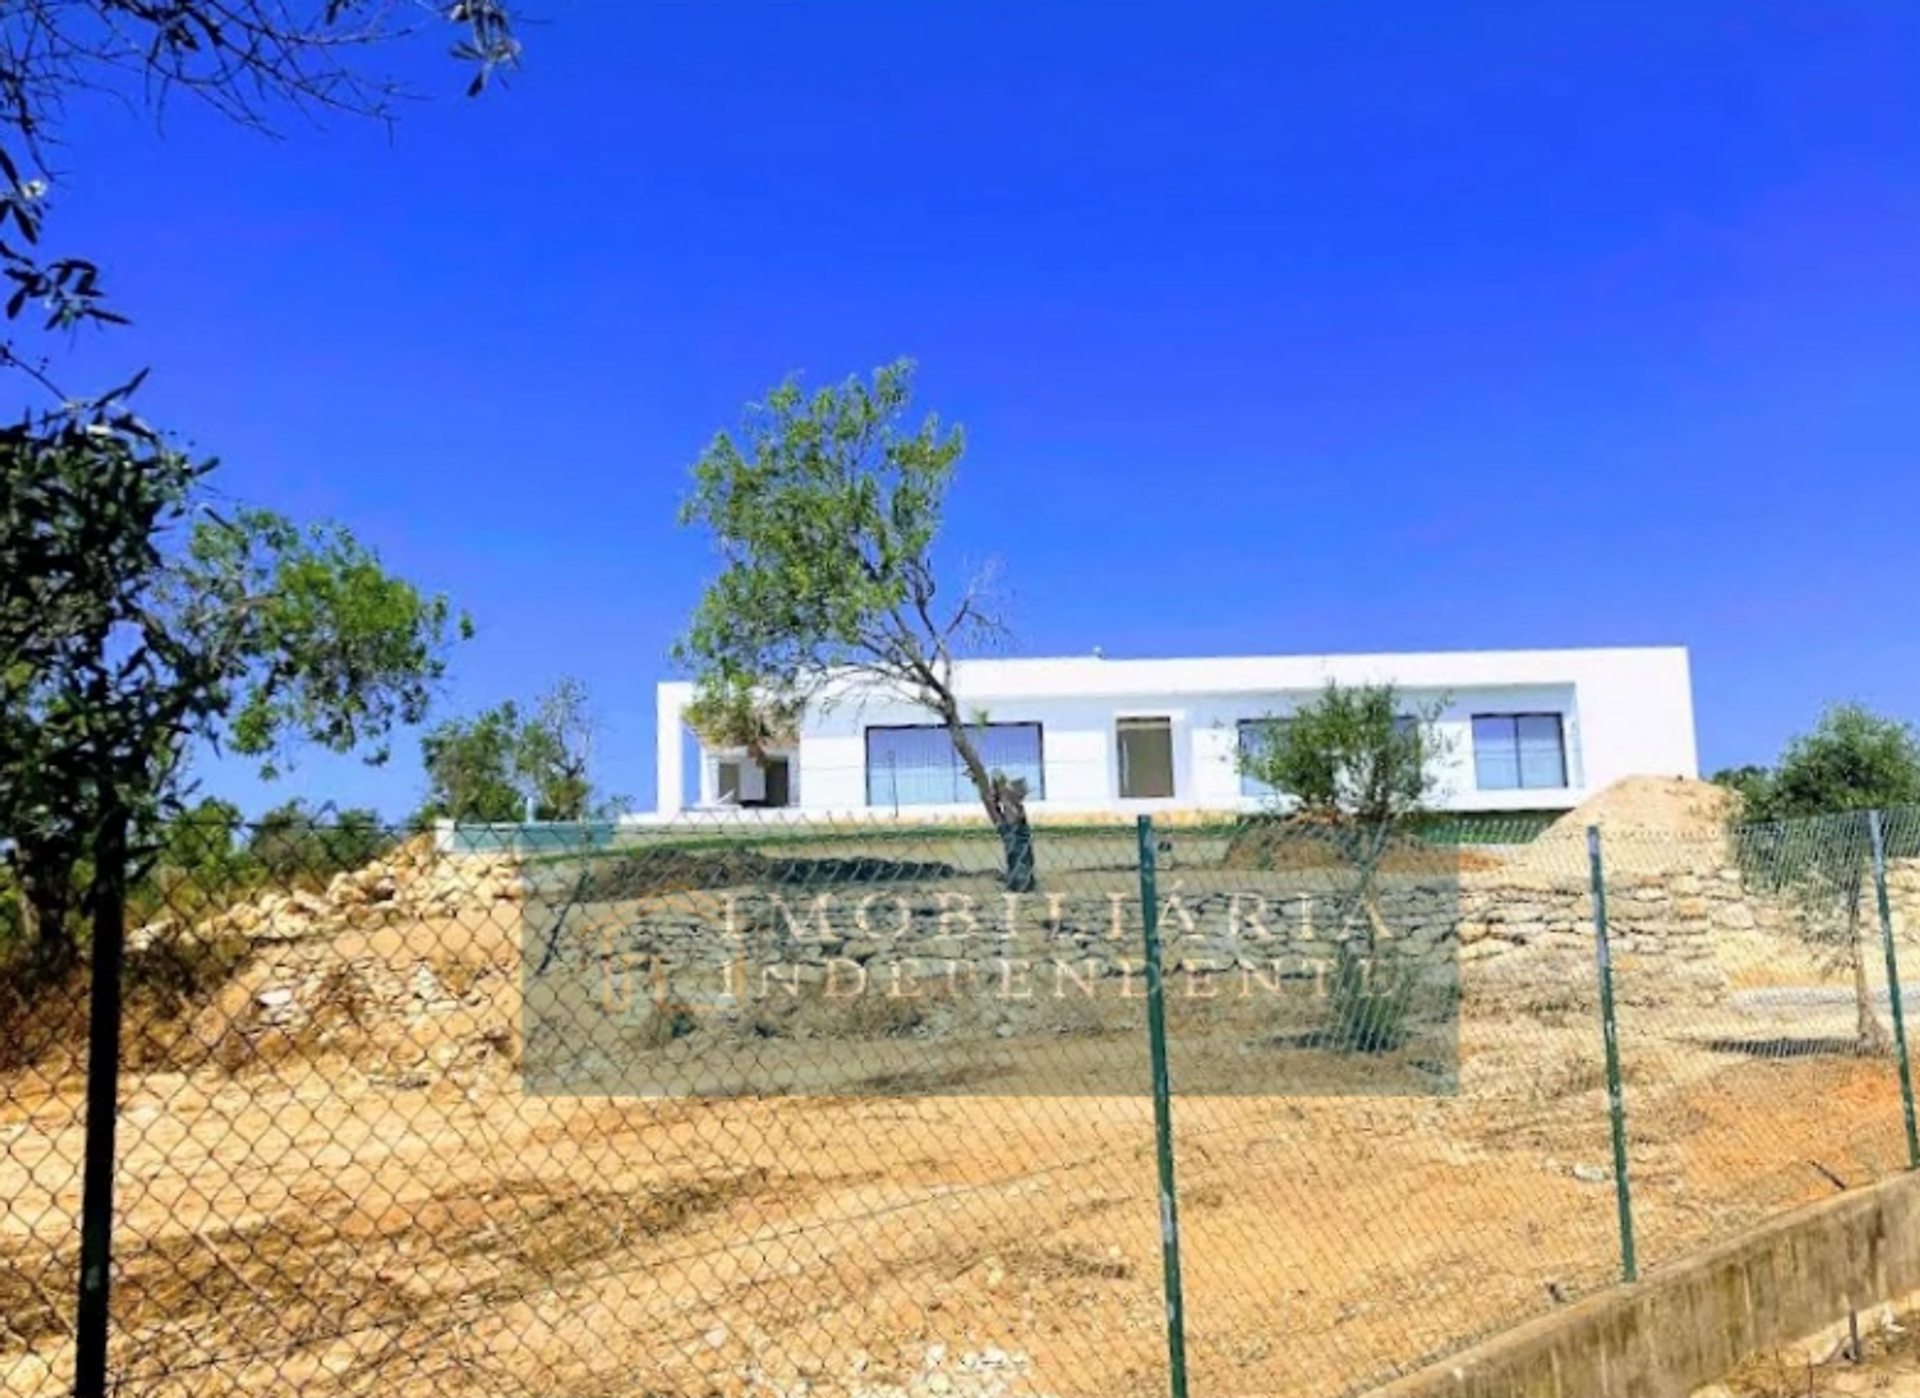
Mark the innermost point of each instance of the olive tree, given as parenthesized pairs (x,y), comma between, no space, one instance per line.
(1350,770)
(825,512)
(138,624)
(135,622)
(1354,758)
(505,761)
(1803,834)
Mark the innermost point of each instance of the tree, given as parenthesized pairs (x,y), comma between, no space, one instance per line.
(730,715)
(503,762)
(1751,783)
(1350,769)
(199,841)
(293,842)
(825,514)
(1353,759)
(1809,837)
(556,752)
(138,624)
(471,776)
(133,621)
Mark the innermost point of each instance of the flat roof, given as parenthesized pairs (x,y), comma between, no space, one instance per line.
(1094,675)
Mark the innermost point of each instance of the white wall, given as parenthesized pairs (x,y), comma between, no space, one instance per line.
(669,748)
(1624,712)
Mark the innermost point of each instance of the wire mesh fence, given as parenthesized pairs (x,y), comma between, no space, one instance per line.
(753,1107)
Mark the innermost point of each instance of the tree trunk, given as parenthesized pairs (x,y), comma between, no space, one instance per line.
(1871,1038)
(1364,844)
(1005,802)
(46,906)
(1009,810)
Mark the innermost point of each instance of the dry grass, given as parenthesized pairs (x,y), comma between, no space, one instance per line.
(43,1018)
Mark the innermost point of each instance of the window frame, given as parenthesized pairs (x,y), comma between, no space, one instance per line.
(963,784)
(1513,718)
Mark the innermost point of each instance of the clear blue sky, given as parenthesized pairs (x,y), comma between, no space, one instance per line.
(1274,327)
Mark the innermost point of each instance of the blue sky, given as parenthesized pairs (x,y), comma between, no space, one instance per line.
(1274,327)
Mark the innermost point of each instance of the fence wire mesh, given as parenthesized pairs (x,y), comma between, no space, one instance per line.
(1755,1028)
(751,1107)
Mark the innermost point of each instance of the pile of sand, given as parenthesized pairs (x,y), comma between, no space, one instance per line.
(1652,823)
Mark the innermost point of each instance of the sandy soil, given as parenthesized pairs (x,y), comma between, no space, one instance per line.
(389,1214)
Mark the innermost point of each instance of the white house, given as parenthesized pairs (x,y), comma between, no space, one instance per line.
(1523,730)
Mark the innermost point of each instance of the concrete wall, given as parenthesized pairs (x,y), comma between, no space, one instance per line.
(1687,1325)
(1624,712)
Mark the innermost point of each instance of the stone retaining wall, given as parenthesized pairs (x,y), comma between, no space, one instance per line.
(1520,939)
(1673,935)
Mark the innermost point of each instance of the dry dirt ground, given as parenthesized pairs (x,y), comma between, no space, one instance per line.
(1886,1365)
(397,1218)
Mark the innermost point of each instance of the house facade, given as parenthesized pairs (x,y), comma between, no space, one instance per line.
(1520,730)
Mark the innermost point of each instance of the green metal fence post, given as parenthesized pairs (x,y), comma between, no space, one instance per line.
(1893,984)
(1162,1115)
(108,903)
(1616,1096)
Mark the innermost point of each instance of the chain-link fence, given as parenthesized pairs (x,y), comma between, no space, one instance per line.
(879,1109)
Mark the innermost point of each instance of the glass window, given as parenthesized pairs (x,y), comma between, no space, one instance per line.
(1145,748)
(1519,751)
(1543,750)
(919,765)
(1255,735)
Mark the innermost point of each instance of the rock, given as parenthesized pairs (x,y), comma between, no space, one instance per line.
(28,1374)
(284,928)
(1591,1174)
(159,930)
(426,986)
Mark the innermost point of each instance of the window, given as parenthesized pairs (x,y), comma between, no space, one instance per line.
(918,765)
(779,782)
(1146,757)
(1407,725)
(744,782)
(1516,751)
(1255,736)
